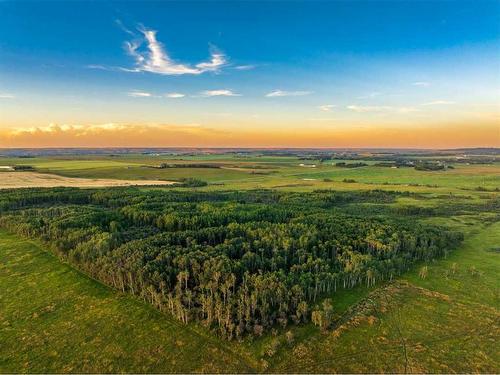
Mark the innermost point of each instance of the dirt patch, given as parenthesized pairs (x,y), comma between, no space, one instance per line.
(15,180)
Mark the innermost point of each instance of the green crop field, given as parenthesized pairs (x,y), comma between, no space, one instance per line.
(277,172)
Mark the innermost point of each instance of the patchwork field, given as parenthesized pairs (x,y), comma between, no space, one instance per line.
(13,180)
(262,171)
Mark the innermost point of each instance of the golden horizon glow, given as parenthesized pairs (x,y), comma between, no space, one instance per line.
(429,136)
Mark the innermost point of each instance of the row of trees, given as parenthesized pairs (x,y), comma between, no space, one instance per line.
(239,262)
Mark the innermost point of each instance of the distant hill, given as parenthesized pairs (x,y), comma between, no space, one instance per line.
(31,152)
(477,150)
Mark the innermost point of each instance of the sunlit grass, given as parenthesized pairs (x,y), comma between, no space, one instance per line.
(55,319)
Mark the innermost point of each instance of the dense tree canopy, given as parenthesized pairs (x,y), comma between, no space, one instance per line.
(237,261)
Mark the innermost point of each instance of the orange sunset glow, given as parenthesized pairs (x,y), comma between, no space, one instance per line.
(114,135)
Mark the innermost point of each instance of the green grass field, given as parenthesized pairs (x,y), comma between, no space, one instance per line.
(277,172)
(55,319)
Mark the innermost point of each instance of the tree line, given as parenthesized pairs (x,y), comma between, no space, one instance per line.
(239,262)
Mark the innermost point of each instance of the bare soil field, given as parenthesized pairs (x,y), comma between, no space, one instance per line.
(13,180)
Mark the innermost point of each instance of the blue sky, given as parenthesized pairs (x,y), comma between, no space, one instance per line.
(280,65)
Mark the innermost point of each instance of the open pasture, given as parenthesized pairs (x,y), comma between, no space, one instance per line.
(230,171)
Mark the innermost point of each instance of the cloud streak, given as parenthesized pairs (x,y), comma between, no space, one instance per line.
(108,135)
(99,67)
(178,95)
(222,92)
(438,102)
(151,56)
(6,95)
(139,94)
(326,107)
(281,93)
(380,109)
(174,95)
(245,67)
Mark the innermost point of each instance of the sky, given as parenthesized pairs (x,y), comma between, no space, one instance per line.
(250,74)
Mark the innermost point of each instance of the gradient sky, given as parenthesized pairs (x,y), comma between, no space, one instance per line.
(264,74)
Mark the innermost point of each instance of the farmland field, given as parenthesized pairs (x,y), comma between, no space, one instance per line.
(67,307)
(12,180)
(261,171)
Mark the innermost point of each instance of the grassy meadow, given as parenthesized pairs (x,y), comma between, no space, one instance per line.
(56,319)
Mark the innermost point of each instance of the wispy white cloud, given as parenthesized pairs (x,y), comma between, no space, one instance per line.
(174,95)
(360,108)
(244,67)
(326,107)
(155,59)
(6,95)
(438,102)
(120,24)
(223,92)
(140,94)
(99,67)
(421,83)
(281,93)
(379,109)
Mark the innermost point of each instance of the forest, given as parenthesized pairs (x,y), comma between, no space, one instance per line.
(237,262)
